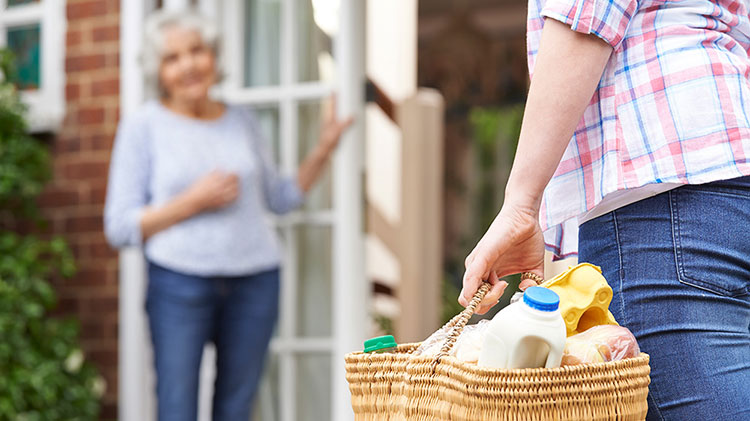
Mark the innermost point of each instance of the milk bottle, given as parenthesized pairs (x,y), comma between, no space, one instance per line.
(529,333)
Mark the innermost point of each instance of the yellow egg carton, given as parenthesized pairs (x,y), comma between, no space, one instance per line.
(584,297)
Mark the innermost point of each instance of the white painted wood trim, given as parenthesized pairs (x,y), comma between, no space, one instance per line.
(350,288)
(24,14)
(271,95)
(175,4)
(136,379)
(47,104)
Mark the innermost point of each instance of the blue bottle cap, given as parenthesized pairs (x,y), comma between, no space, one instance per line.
(541,298)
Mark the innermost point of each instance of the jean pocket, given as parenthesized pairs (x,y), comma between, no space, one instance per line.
(711,231)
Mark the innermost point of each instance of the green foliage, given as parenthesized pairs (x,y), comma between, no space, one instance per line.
(451,307)
(495,134)
(43,374)
(495,138)
(384,323)
(24,163)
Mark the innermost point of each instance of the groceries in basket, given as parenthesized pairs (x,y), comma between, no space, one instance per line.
(600,344)
(381,344)
(526,334)
(467,346)
(530,333)
(439,384)
(584,297)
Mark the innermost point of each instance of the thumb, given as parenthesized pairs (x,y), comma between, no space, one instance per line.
(528,282)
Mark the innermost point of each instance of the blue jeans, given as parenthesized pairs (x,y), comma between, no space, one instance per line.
(185,312)
(679,265)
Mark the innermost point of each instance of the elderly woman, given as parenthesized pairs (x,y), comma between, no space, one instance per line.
(191,180)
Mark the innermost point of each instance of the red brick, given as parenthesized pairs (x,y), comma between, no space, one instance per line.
(92,115)
(72,91)
(83,170)
(106,33)
(73,38)
(97,191)
(88,277)
(58,197)
(84,62)
(98,328)
(103,305)
(92,223)
(113,6)
(79,10)
(68,305)
(113,60)
(102,143)
(107,87)
(101,250)
(108,410)
(65,144)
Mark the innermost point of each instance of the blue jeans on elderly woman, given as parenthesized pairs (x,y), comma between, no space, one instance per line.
(185,312)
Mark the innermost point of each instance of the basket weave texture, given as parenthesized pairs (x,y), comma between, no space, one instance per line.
(401,386)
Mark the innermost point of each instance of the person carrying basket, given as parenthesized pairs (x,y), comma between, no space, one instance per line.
(633,153)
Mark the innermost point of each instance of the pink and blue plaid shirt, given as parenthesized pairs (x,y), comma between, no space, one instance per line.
(671,107)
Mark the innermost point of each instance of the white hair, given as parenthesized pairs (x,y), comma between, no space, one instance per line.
(152,49)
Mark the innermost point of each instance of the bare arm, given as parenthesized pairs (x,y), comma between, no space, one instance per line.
(310,169)
(568,69)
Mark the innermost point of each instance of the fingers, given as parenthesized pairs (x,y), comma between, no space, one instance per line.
(525,284)
(329,111)
(473,277)
(492,297)
(343,125)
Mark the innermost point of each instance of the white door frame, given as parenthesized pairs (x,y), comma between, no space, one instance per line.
(350,300)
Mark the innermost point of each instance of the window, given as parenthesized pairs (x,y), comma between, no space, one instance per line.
(35,31)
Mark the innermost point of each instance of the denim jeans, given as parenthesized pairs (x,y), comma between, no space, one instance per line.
(679,266)
(185,312)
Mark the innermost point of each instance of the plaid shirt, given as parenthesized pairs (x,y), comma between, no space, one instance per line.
(670,106)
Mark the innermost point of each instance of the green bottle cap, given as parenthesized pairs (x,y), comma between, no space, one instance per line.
(381,342)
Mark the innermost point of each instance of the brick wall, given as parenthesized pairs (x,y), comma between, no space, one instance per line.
(74,200)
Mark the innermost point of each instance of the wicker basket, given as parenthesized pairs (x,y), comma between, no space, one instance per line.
(401,386)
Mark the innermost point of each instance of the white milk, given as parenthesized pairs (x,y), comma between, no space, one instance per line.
(526,334)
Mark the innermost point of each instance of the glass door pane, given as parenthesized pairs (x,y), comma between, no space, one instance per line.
(262,42)
(268,119)
(267,405)
(314,304)
(313,387)
(310,121)
(315,61)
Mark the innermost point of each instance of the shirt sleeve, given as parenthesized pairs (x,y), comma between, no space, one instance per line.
(282,194)
(127,187)
(607,19)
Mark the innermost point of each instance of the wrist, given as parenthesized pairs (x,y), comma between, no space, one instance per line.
(324,150)
(523,197)
(190,204)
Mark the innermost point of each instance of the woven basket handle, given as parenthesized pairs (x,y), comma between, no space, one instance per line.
(458,323)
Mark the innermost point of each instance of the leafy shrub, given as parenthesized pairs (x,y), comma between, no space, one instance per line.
(43,373)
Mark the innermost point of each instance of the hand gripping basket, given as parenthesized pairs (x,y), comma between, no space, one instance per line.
(401,386)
